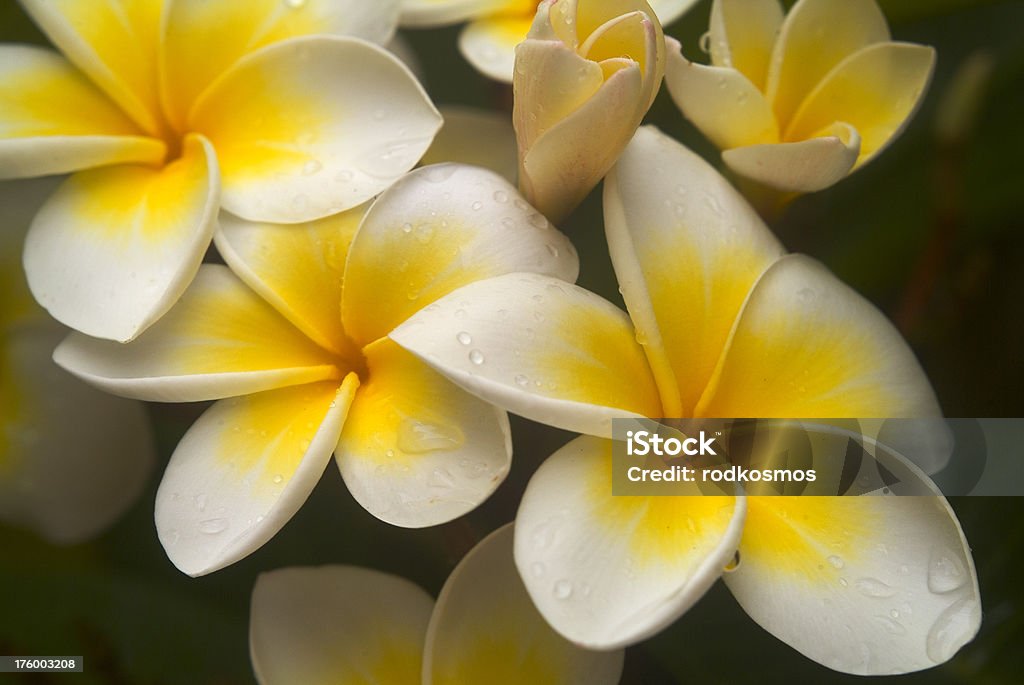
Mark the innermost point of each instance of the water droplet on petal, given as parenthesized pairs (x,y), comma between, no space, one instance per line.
(464,338)
(477,357)
(563,589)
(415,437)
(311,167)
(836,561)
(945,573)
(872,587)
(213,526)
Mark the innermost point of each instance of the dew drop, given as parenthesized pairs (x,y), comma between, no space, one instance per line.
(836,561)
(552,250)
(343,176)
(464,338)
(872,587)
(477,206)
(501,196)
(733,564)
(477,357)
(311,167)
(522,380)
(416,437)
(213,526)
(945,573)
(705,43)
(278,479)
(563,589)
(537,569)
(892,627)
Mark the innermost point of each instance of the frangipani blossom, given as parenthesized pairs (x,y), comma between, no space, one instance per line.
(168,112)
(584,79)
(496,27)
(72,459)
(721,324)
(797,103)
(341,624)
(291,338)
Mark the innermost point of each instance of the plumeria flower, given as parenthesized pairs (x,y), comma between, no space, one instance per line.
(584,79)
(168,112)
(72,459)
(342,624)
(797,103)
(722,323)
(291,337)
(496,27)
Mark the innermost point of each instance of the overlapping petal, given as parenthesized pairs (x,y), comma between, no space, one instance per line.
(864,585)
(489,43)
(114,248)
(244,468)
(804,52)
(204,39)
(115,43)
(720,101)
(876,90)
(337,624)
(478,137)
(608,571)
(538,347)
(806,345)
(742,35)
(686,249)
(53,120)
(417,450)
(220,340)
(442,227)
(297,269)
(312,126)
(801,167)
(486,629)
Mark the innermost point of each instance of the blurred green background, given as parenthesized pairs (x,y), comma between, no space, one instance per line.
(932,232)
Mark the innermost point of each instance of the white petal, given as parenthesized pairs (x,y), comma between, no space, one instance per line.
(312,126)
(53,120)
(478,137)
(417,450)
(75,459)
(244,469)
(608,571)
(220,340)
(430,13)
(538,347)
(202,40)
(742,34)
(815,36)
(808,346)
(114,248)
(804,167)
(720,101)
(438,229)
(865,585)
(489,44)
(670,10)
(337,624)
(686,248)
(486,629)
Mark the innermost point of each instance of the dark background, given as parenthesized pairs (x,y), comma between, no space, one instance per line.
(932,232)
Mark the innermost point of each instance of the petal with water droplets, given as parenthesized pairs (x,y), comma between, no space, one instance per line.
(608,571)
(417,450)
(243,469)
(485,629)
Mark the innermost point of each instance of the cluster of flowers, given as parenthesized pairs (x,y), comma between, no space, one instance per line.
(390,317)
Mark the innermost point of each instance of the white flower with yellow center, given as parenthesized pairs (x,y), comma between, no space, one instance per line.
(797,103)
(291,337)
(496,27)
(171,111)
(341,624)
(722,323)
(72,459)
